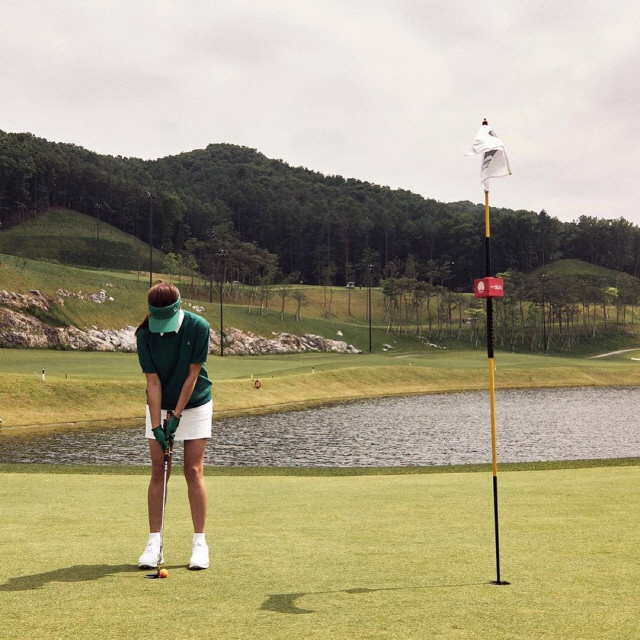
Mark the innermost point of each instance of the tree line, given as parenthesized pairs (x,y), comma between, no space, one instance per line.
(539,311)
(237,214)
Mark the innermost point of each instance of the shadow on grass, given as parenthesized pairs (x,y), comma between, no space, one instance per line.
(78,573)
(286,602)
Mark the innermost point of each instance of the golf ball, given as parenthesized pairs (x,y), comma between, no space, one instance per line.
(163,573)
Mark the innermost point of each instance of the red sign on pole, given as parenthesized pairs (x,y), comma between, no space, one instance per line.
(488,288)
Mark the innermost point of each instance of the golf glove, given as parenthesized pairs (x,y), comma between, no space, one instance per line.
(160,436)
(172,427)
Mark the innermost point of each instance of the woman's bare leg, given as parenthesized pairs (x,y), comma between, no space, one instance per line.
(194,475)
(156,485)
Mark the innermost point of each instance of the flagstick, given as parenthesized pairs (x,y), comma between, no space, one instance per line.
(492,390)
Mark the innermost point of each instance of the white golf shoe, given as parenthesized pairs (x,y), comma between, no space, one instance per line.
(199,556)
(149,557)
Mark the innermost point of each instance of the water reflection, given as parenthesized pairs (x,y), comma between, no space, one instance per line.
(420,430)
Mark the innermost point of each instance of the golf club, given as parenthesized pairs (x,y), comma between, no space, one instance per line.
(161,573)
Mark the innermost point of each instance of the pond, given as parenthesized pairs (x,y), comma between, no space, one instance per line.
(441,429)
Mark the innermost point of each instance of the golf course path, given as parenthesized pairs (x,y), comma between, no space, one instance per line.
(612,353)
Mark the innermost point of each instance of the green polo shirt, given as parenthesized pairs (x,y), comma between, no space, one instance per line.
(169,355)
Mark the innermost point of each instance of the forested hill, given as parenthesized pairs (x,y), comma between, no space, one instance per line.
(273,220)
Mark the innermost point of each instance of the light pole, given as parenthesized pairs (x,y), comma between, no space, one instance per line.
(222,253)
(211,262)
(98,207)
(386,250)
(151,198)
(543,277)
(369,270)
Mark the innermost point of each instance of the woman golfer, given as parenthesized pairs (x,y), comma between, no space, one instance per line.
(172,348)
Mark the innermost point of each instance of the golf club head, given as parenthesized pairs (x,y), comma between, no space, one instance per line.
(160,573)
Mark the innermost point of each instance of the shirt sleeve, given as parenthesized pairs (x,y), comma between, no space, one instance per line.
(144,353)
(200,349)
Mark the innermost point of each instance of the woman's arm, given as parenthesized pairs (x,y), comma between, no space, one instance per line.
(154,398)
(187,388)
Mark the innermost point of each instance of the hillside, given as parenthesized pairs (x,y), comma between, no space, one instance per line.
(588,309)
(128,307)
(272,220)
(73,238)
(578,269)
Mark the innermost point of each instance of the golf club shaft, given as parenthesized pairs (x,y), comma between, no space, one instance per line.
(164,499)
(167,457)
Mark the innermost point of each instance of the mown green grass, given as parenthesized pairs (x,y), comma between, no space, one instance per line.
(124,366)
(571,267)
(70,237)
(405,556)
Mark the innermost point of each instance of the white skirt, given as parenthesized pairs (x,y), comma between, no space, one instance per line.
(194,423)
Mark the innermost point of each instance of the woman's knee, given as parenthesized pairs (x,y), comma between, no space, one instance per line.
(194,460)
(157,472)
(193,472)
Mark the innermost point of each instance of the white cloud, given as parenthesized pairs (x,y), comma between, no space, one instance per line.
(389,92)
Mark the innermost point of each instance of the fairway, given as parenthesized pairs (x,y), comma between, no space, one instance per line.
(394,556)
(86,386)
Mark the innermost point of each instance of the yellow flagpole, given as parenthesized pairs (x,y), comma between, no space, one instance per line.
(492,378)
(492,391)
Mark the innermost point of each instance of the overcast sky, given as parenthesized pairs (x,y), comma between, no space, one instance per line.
(389,92)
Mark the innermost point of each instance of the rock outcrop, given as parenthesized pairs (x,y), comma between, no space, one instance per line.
(28,300)
(22,330)
(19,329)
(237,342)
(100,298)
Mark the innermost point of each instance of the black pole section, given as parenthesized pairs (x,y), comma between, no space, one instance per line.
(497,530)
(490,328)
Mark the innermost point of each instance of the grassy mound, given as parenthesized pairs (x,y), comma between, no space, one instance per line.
(576,268)
(69,237)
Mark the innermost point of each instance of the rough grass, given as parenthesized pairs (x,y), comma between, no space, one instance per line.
(81,387)
(126,469)
(405,556)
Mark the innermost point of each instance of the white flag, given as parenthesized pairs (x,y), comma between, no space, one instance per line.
(495,163)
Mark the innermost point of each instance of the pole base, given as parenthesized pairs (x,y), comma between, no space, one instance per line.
(499,583)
